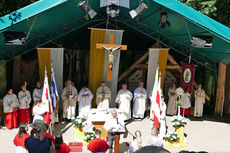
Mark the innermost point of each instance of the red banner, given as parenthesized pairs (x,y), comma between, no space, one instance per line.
(187,77)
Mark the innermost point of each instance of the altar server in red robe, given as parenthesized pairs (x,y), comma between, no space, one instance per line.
(10,104)
(24,98)
(19,139)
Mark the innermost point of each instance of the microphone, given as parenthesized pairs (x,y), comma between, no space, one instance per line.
(126,130)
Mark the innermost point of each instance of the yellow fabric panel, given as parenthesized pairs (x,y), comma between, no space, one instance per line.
(97,61)
(44,59)
(162,60)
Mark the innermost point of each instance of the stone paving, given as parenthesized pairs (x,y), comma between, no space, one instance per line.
(202,135)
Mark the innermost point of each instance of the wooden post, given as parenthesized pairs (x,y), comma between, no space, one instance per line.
(116,143)
(227,91)
(220,90)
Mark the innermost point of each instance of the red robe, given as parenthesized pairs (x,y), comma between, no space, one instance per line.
(63,149)
(24,115)
(21,141)
(11,119)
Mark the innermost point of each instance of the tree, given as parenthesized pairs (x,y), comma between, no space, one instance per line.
(7,6)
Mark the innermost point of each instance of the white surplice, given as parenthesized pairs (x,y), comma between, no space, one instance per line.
(199,102)
(38,112)
(37,94)
(186,101)
(24,99)
(140,96)
(84,102)
(124,98)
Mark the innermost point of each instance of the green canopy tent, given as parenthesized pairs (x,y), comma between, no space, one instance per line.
(46,21)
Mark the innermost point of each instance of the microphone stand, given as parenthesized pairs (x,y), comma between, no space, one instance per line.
(127,130)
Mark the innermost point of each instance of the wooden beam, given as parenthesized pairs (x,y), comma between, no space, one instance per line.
(173,67)
(100,46)
(143,66)
(131,68)
(220,89)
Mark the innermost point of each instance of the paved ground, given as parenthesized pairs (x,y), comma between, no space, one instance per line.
(202,135)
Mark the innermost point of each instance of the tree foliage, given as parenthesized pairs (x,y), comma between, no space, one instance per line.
(217,9)
(7,6)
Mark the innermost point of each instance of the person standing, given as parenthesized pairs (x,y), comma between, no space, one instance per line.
(69,98)
(24,98)
(60,146)
(113,124)
(186,103)
(172,106)
(140,96)
(37,93)
(84,101)
(163,117)
(10,104)
(199,101)
(103,96)
(19,139)
(123,100)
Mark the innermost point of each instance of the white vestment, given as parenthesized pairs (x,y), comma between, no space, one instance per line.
(124,98)
(24,99)
(38,112)
(163,121)
(69,99)
(186,102)
(37,94)
(103,101)
(84,103)
(199,102)
(9,103)
(172,106)
(140,96)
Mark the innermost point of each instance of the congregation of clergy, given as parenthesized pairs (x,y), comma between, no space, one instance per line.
(17,108)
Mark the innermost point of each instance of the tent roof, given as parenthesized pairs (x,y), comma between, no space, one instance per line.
(47,21)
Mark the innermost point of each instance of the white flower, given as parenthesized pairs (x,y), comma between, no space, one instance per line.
(180,117)
(174,137)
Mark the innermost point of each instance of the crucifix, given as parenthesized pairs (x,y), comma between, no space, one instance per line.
(111,48)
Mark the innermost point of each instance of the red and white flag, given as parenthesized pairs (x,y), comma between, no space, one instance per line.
(157,105)
(46,99)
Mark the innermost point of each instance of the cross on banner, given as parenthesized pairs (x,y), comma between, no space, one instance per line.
(111,47)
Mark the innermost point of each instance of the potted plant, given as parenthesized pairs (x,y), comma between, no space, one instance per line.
(172,138)
(79,123)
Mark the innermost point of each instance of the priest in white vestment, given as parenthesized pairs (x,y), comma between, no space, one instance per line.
(172,106)
(103,96)
(140,97)
(199,101)
(123,99)
(84,102)
(69,99)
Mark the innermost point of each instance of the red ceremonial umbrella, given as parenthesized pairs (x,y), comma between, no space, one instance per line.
(98,145)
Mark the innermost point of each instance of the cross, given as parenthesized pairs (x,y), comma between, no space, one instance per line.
(111,47)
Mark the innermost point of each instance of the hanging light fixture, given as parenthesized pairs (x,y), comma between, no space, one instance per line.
(201,41)
(87,10)
(113,10)
(163,21)
(139,10)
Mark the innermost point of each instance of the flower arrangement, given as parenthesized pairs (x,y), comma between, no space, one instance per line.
(178,121)
(79,122)
(172,137)
(89,136)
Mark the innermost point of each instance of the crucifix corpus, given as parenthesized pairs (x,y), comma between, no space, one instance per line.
(111,48)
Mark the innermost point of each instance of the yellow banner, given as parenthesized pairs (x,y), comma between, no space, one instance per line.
(44,59)
(97,61)
(162,60)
